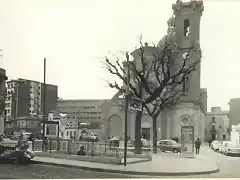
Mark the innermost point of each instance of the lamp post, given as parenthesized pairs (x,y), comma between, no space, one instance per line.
(126,110)
(44,100)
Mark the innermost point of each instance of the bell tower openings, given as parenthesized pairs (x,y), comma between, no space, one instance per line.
(188,16)
(186,27)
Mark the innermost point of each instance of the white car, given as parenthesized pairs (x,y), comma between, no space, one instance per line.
(215,145)
(89,137)
(222,145)
(231,149)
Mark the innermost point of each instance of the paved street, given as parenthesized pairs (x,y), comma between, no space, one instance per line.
(39,171)
(229,166)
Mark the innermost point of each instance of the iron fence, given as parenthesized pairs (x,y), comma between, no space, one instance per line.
(101,148)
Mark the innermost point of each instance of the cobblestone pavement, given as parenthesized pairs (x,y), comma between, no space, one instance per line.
(39,171)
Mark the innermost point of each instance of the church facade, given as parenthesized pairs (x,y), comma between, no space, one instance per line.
(183,32)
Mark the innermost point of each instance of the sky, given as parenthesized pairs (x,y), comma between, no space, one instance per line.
(74,36)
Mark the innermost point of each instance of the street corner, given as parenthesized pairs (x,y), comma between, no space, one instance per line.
(160,166)
(176,165)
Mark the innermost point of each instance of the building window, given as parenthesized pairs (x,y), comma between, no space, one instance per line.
(67,133)
(186,84)
(213,120)
(186,27)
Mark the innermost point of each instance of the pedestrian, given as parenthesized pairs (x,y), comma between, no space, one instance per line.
(197,145)
(210,142)
(82,151)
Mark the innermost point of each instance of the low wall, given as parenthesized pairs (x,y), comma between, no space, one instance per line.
(97,159)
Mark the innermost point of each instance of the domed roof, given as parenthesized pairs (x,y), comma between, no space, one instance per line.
(169,38)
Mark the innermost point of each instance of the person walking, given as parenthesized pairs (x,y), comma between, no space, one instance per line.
(197,145)
(209,143)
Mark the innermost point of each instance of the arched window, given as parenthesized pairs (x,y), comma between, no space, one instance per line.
(186,27)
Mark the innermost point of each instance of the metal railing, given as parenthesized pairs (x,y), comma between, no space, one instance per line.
(101,148)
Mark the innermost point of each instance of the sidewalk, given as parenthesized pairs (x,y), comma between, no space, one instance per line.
(164,164)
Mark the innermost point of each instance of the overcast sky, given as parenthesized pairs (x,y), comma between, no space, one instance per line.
(74,34)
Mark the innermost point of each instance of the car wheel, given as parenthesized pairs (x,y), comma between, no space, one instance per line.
(175,151)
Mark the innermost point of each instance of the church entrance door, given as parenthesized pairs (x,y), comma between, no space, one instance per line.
(115,126)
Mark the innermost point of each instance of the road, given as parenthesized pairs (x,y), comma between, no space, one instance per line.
(39,171)
(229,166)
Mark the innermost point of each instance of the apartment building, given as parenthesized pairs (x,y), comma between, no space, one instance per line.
(217,125)
(86,113)
(234,115)
(24,98)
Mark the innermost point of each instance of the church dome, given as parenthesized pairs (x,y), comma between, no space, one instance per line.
(169,38)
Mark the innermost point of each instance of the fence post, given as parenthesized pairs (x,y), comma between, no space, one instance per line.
(58,144)
(70,146)
(92,148)
(105,147)
(50,150)
(33,143)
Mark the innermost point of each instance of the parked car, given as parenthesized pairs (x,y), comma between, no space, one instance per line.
(145,143)
(21,154)
(215,145)
(231,149)
(89,137)
(170,145)
(222,145)
(114,141)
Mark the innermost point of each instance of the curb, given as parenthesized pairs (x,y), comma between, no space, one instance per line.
(128,172)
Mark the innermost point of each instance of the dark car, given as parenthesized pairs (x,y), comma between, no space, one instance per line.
(170,145)
(20,155)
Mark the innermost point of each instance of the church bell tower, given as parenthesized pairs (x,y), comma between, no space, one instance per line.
(188,16)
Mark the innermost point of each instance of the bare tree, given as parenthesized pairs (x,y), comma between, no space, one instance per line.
(159,81)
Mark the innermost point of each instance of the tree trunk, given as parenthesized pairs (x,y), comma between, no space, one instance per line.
(154,119)
(138,133)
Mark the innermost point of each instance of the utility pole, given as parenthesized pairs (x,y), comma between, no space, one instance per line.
(126,111)
(44,101)
(16,104)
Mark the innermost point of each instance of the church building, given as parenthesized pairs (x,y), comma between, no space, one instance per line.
(183,32)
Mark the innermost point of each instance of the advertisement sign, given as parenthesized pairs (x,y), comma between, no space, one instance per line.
(187,141)
(136,104)
(51,129)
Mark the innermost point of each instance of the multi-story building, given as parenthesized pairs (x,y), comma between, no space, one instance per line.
(85,113)
(3,78)
(234,114)
(24,98)
(217,125)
